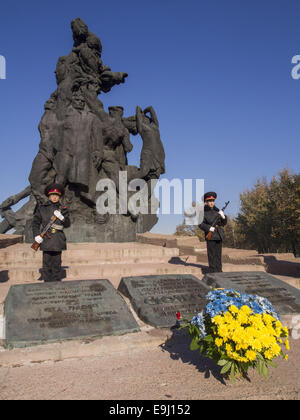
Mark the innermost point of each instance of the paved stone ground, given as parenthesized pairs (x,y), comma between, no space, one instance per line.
(151,364)
(166,371)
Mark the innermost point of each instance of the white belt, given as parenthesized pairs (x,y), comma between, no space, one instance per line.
(57,227)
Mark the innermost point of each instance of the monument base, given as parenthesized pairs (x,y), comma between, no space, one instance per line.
(116,228)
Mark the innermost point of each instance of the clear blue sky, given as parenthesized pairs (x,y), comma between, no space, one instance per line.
(218,74)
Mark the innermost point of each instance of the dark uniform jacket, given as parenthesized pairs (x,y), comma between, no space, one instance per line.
(209,217)
(43,213)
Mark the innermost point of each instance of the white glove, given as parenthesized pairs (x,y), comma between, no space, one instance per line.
(38,239)
(211,229)
(59,215)
(221,213)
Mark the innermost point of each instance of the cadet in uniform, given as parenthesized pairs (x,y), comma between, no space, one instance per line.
(54,241)
(214,245)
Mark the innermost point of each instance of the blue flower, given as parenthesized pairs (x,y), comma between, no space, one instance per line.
(199,321)
(220,300)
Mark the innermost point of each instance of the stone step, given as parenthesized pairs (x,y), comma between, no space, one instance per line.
(231,258)
(96,260)
(32,274)
(85,253)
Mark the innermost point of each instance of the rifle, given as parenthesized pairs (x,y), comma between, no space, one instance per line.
(209,235)
(53,219)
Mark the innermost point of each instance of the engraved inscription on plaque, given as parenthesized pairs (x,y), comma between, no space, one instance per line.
(156,299)
(47,312)
(285,298)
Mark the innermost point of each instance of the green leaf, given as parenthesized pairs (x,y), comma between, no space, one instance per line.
(222,362)
(260,356)
(209,339)
(202,348)
(194,344)
(265,370)
(232,371)
(259,366)
(271,363)
(226,367)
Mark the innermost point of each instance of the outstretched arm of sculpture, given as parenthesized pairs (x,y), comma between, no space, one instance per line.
(109,79)
(130,124)
(128,146)
(153,114)
(139,118)
(14,199)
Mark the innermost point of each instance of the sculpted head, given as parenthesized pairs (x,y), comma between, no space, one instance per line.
(116,111)
(50,104)
(78,101)
(80,31)
(61,69)
(130,124)
(94,43)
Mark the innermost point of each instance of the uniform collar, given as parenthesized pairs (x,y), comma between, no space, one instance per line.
(207,208)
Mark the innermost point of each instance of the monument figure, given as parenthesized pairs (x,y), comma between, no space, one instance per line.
(81,144)
(43,162)
(153,155)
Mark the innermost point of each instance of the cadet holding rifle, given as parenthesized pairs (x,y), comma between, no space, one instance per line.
(212,224)
(48,223)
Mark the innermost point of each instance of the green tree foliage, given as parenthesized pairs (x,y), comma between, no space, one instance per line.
(269,217)
(268,220)
(189,230)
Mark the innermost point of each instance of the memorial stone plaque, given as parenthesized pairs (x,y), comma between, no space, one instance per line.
(284,298)
(156,299)
(50,312)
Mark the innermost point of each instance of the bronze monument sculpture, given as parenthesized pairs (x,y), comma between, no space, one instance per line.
(82,144)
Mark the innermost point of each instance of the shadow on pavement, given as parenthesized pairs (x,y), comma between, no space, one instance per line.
(180,261)
(178,345)
(4,277)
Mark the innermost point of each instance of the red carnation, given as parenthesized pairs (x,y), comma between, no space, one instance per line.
(178,315)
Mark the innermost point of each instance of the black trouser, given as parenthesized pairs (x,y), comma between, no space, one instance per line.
(51,266)
(214,254)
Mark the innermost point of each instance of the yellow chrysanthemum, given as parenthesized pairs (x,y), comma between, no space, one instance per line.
(218,320)
(256,345)
(275,348)
(228,348)
(233,309)
(242,318)
(268,355)
(246,310)
(218,342)
(223,331)
(228,317)
(251,355)
(287,344)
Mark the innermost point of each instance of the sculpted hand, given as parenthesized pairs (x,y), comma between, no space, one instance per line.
(7,203)
(97,159)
